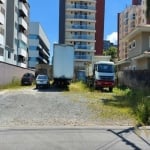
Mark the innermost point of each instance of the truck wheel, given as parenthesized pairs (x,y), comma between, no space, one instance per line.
(37,86)
(110,89)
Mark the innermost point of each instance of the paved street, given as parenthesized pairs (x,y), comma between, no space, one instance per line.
(96,138)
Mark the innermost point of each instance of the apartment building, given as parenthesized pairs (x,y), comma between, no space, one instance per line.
(17,26)
(134,36)
(81,23)
(2,29)
(129,19)
(39,46)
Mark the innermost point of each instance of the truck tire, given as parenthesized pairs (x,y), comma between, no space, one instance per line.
(94,86)
(110,89)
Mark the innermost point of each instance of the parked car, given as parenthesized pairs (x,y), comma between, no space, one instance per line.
(27,79)
(42,81)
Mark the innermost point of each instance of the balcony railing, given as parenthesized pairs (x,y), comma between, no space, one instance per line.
(78,6)
(88,17)
(86,37)
(83,27)
(23,8)
(22,52)
(23,37)
(83,57)
(2,18)
(85,47)
(23,23)
(77,26)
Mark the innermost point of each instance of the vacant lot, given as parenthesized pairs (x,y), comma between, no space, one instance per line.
(30,107)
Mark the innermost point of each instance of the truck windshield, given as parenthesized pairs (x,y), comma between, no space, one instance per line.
(106,68)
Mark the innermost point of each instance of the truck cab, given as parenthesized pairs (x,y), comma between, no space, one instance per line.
(104,75)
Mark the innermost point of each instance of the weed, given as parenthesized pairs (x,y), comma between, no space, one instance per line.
(122,104)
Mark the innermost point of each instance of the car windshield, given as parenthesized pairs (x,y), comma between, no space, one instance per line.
(44,77)
(105,68)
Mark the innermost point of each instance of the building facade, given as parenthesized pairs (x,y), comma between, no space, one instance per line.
(2,29)
(17,28)
(81,24)
(134,37)
(128,20)
(39,46)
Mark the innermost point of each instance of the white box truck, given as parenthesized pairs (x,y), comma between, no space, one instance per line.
(63,64)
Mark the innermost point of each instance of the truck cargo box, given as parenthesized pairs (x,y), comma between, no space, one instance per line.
(63,62)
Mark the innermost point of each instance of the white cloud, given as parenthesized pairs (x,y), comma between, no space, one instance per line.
(112,37)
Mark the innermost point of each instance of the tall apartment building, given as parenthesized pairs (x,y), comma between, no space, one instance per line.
(39,46)
(17,25)
(2,29)
(81,23)
(136,2)
(128,21)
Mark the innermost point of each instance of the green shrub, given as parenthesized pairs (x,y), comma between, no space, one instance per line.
(139,102)
(143,111)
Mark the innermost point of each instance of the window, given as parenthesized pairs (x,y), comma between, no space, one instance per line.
(1,51)
(9,55)
(130,46)
(133,44)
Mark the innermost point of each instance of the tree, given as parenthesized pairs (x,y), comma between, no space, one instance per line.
(112,51)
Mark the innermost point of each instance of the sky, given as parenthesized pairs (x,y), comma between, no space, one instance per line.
(46,12)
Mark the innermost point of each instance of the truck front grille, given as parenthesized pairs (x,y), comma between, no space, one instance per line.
(106,78)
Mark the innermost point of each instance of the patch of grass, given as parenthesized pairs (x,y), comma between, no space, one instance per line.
(121,104)
(78,87)
(107,107)
(124,104)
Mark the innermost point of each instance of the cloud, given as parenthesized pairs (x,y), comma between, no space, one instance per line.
(112,37)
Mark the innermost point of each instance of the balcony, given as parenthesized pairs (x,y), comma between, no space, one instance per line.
(23,23)
(42,59)
(2,19)
(88,28)
(87,8)
(81,17)
(22,52)
(83,58)
(23,37)
(46,53)
(23,8)
(87,48)
(87,38)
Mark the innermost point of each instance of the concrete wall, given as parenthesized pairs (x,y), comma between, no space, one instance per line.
(134,78)
(9,72)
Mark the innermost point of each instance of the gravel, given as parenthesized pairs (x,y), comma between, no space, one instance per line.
(30,107)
